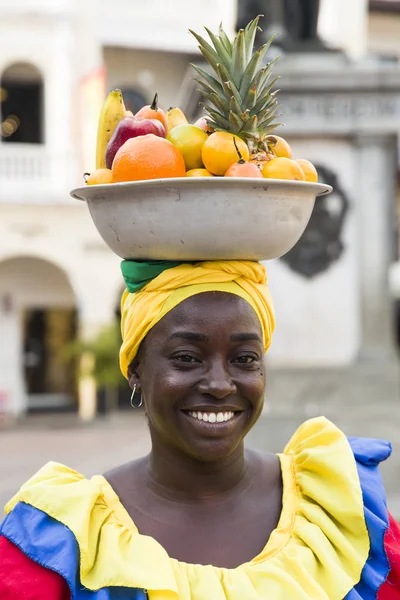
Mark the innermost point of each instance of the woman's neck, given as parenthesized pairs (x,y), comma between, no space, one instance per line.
(177,476)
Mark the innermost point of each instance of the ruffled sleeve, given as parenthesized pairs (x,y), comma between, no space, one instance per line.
(111,551)
(329,541)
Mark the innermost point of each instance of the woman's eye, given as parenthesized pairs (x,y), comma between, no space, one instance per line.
(247,359)
(186,358)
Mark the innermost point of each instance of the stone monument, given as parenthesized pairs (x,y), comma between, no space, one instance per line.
(295,21)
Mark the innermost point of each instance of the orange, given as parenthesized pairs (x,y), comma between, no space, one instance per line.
(279,146)
(243,169)
(219,152)
(147,157)
(199,173)
(99,176)
(310,172)
(283,168)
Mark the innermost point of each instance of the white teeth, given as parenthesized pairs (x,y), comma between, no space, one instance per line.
(212,417)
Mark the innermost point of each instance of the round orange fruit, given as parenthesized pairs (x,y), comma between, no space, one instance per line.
(147,157)
(283,168)
(279,146)
(198,173)
(99,176)
(243,169)
(219,152)
(310,172)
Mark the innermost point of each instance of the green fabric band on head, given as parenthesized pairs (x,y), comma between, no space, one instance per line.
(137,274)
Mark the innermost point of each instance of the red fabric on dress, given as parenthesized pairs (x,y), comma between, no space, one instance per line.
(390,590)
(23,579)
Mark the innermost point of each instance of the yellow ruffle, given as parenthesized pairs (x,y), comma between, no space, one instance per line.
(317,551)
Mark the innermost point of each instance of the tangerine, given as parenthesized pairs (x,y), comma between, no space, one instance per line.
(279,146)
(310,172)
(219,152)
(283,168)
(147,157)
(199,173)
(99,176)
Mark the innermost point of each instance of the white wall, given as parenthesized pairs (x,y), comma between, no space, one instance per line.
(318,321)
(160,24)
(343,24)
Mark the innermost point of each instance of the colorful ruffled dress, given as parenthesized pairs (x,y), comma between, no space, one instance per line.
(66,537)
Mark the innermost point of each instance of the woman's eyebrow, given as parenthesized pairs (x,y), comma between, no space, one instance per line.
(245,337)
(189,335)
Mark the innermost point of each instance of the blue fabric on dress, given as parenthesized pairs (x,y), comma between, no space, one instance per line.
(52,545)
(368,454)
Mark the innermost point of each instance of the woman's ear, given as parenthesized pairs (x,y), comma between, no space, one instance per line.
(134,374)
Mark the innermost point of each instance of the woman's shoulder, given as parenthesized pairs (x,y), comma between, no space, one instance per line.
(55,485)
(321,438)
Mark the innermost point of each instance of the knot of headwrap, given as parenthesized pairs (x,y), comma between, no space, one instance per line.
(148,299)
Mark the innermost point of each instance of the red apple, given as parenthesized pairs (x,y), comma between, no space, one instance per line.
(130,127)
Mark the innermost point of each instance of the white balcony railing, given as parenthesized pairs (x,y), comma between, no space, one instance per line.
(32,174)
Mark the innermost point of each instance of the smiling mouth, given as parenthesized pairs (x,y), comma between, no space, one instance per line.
(212,417)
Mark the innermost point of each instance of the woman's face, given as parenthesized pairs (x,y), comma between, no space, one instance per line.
(202,375)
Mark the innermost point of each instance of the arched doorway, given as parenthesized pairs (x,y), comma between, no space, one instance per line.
(38,316)
(22,106)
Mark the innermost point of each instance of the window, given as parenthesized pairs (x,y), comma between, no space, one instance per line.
(22,101)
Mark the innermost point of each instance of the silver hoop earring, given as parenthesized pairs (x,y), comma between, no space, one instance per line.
(135,404)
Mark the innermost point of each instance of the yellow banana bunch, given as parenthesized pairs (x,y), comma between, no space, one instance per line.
(175,117)
(112,112)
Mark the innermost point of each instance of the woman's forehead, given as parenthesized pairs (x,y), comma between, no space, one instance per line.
(210,310)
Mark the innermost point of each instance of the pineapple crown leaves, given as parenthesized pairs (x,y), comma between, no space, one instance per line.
(238,91)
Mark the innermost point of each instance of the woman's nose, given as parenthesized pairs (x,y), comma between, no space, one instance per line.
(217,381)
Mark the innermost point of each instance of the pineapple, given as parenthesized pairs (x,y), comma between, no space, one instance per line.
(238,95)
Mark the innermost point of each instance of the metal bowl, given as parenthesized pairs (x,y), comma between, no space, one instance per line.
(214,218)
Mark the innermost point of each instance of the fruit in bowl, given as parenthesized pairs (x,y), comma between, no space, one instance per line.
(240,104)
(130,127)
(147,157)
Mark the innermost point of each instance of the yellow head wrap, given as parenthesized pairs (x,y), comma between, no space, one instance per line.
(142,310)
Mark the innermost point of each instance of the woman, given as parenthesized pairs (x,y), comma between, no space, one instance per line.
(201,518)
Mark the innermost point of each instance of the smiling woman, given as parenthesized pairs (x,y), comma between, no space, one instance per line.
(200,517)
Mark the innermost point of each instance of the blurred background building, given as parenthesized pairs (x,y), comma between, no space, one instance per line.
(58,281)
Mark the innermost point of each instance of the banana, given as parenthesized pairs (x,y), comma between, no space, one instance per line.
(112,112)
(175,117)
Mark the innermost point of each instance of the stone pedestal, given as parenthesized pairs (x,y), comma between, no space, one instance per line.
(345,119)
